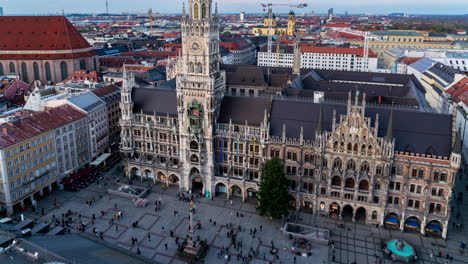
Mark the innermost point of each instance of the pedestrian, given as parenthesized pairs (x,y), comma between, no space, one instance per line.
(115,206)
(294,259)
(149,237)
(165,246)
(116,228)
(138,251)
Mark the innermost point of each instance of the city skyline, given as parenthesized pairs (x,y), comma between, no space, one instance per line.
(452,7)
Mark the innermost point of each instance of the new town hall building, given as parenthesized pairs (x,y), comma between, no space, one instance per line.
(346,155)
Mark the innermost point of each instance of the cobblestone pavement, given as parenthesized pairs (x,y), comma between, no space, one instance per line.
(353,243)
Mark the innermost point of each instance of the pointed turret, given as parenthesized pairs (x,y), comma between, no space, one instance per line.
(457,146)
(320,121)
(389,135)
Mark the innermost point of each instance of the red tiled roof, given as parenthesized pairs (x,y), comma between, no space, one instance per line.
(106,90)
(356,51)
(83,75)
(408,60)
(137,67)
(37,123)
(337,25)
(13,87)
(238,44)
(41,33)
(459,91)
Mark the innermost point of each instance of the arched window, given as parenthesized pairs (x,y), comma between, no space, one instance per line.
(64,70)
(374,215)
(196,11)
(335,145)
(350,183)
(377,185)
(365,167)
(351,165)
(191,68)
(199,68)
(355,148)
(203,10)
(24,72)
(350,146)
(1,69)
(48,75)
(363,149)
(82,65)
(36,71)
(12,67)
(337,163)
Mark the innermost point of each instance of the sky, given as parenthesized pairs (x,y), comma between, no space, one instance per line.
(235,6)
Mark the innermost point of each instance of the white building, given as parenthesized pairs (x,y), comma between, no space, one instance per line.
(97,122)
(312,57)
(72,145)
(454,58)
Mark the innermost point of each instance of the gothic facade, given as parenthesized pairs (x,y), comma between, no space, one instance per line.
(344,159)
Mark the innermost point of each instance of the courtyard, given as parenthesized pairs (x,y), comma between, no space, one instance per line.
(157,231)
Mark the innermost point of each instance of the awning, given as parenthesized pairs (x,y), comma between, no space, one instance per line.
(100,159)
(412,223)
(391,219)
(433,227)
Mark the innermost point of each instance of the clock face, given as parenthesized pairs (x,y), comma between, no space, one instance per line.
(195,46)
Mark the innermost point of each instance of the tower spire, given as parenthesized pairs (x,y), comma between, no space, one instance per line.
(183,9)
(389,135)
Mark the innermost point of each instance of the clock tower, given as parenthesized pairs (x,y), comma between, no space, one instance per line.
(200,89)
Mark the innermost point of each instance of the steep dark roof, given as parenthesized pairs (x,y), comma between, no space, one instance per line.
(154,101)
(421,130)
(241,109)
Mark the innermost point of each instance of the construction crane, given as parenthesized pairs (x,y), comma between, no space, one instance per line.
(150,14)
(270,19)
(366,35)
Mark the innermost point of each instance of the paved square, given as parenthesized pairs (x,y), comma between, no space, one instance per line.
(353,242)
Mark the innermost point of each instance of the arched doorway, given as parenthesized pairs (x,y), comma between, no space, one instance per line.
(149,175)
(347,213)
(334,209)
(434,228)
(235,192)
(361,215)
(135,172)
(197,181)
(412,224)
(251,196)
(392,221)
(307,206)
(173,179)
(161,177)
(221,190)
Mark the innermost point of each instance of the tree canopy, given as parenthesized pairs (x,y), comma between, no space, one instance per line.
(273,195)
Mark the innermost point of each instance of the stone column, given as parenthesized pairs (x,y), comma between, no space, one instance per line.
(423,226)
(49,187)
(402,222)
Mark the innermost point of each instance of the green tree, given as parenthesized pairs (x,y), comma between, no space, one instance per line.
(273,195)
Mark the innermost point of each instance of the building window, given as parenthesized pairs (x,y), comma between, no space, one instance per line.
(82,65)
(1,69)
(12,67)
(36,71)
(64,70)
(24,72)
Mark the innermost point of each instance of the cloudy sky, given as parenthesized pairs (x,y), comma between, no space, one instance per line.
(235,6)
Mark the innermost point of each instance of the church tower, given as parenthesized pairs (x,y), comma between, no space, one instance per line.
(291,23)
(200,89)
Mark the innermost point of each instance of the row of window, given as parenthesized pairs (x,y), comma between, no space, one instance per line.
(28,145)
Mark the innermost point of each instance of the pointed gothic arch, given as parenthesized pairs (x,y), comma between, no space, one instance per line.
(351,165)
(196,11)
(199,68)
(191,67)
(48,72)
(203,10)
(337,164)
